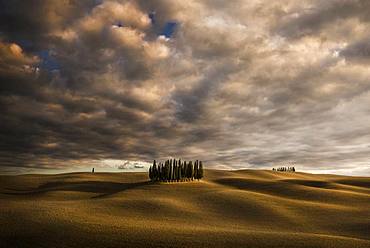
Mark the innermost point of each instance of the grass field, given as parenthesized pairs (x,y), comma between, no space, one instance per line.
(246,208)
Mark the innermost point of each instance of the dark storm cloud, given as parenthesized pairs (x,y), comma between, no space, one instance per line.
(189,103)
(29,22)
(358,51)
(239,84)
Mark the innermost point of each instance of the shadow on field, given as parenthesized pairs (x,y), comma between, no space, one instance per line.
(261,185)
(363,182)
(98,187)
(294,189)
(311,183)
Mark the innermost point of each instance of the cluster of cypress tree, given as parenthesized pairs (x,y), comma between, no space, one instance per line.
(284,169)
(173,170)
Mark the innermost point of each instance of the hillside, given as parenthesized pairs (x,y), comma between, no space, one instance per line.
(247,208)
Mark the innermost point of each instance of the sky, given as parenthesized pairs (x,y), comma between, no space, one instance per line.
(237,84)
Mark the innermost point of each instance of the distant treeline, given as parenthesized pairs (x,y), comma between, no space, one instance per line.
(284,169)
(173,170)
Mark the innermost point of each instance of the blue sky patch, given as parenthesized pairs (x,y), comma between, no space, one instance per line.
(169,29)
(48,62)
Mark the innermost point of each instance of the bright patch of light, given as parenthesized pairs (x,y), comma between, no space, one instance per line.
(126,165)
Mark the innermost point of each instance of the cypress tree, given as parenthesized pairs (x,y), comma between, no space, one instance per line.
(179,163)
(191,170)
(172,168)
(179,176)
(170,173)
(162,171)
(167,172)
(185,166)
(187,171)
(154,171)
(196,170)
(174,164)
(200,170)
(175,173)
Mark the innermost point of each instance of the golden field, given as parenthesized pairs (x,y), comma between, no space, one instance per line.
(248,208)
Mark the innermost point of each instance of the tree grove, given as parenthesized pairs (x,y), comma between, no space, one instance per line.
(173,170)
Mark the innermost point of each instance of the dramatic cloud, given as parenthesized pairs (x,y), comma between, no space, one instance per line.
(238,84)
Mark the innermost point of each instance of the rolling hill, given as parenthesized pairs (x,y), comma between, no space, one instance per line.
(247,208)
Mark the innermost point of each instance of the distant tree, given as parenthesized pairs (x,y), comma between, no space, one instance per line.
(183,170)
(196,170)
(186,171)
(174,165)
(201,170)
(190,171)
(162,172)
(170,173)
(193,170)
(154,171)
(176,170)
(179,175)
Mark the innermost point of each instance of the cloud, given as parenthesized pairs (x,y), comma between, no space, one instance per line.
(14,60)
(247,84)
(315,17)
(358,51)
